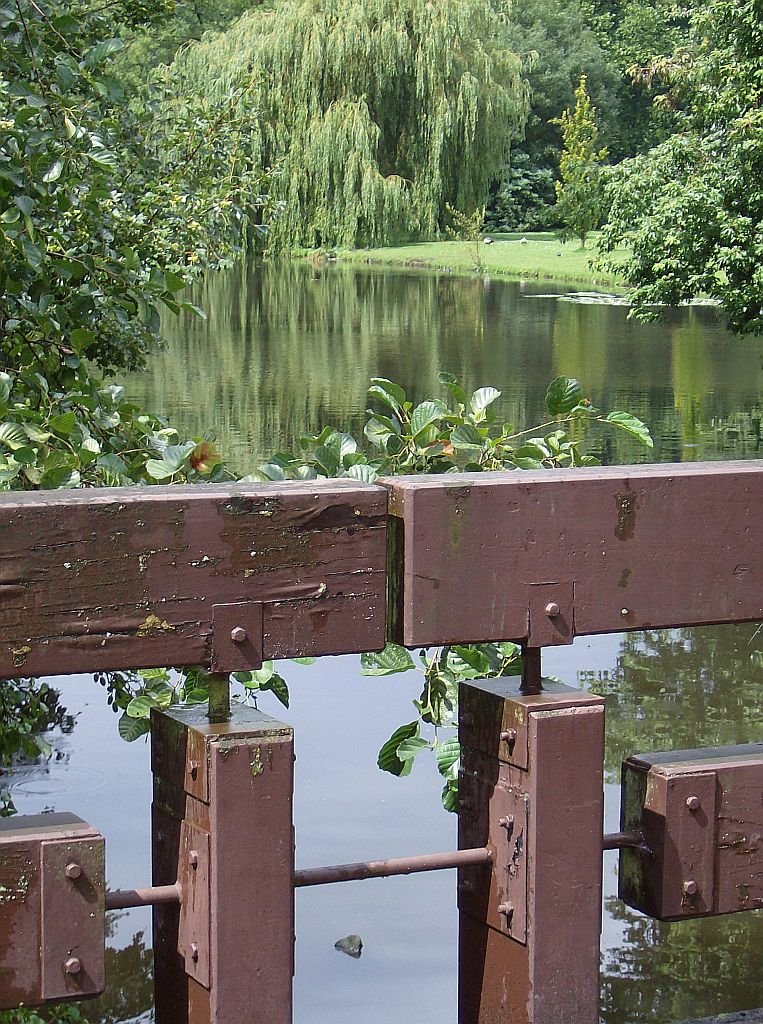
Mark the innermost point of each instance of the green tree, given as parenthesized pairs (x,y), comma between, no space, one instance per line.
(579,194)
(375,113)
(563,46)
(106,208)
(691,210)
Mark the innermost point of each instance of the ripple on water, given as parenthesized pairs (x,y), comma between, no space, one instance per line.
(36,780)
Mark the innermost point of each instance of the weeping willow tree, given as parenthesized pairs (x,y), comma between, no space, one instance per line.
(375,114)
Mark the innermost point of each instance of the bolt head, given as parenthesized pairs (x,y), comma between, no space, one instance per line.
(73,871)
(506,910)
(552,609)
(509,736)
(466,886)
(73,965)
(194,951)
(690,887)
(624,611)
(193,768)
(238,634)
(507,821)
(692,802)
(193,858)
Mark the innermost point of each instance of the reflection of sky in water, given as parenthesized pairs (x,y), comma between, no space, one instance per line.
(345,810)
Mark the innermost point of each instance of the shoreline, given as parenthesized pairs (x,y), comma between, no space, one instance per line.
(533,256)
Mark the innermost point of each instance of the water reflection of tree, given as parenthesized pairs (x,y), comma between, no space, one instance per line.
(674,689)
(129,984)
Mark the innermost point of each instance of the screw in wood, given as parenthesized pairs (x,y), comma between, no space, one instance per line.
(194,951)
(693,803)
(193,859)
(466,886)
(509,736)
(73,965)
(193,769)
(506,822)
(238,634)
(552,609)
(690,887)
(624,611)
(73,871)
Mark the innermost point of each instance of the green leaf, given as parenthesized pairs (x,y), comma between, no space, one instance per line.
(158,469)
(6,383)
(378,432)
(131,729)
(63,424)
(363,472)
(277,686)
(391,394)
(425,414)
(409,748)
(447,755)
(304,661)
(387,662)
(480,400)
(388,760)
(631,425)
(450,796)
(54,172)
(12,435)
(140,706)
(451,383)
(101,50)
(467,438)
(563,394)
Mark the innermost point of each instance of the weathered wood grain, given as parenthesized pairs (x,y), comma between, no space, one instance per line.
(477,558)
(128,578)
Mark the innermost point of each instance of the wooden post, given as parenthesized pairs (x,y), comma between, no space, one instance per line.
(222,827)
(531,788)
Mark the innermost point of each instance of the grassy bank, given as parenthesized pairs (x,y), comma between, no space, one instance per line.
(540,256)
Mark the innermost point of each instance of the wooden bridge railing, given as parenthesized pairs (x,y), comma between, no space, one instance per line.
(225,576)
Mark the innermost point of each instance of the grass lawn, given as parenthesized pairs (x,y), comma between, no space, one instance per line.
(541,256)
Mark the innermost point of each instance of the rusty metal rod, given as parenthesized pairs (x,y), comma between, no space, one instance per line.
(619,840)
(395,866)
(121,899)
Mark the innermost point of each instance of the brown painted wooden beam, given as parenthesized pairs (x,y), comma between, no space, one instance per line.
(544,556)
(215,575)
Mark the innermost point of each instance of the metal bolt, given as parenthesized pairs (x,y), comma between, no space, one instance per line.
(509,736)
(238,634)
(194,951)
(466,886)
(193,859)
(690,887)
(193,768)
(507,911)
(73,871)
(506,822)
(624,611)
(552,609)
(73,965)
(692,802)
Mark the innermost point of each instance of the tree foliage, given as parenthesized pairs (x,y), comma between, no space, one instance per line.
(579,194)
(375,113)
(691,210)
(105,207)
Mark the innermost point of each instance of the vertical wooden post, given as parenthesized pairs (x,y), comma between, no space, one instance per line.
(222,827)
(531,788)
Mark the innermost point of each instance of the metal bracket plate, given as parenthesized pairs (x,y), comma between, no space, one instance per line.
(494,814)
(552,614)
(193,928)
(237,634)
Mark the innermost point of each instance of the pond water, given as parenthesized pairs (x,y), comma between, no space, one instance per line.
(292,347)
